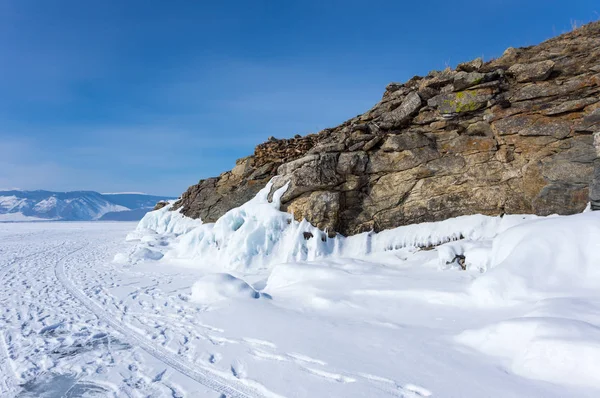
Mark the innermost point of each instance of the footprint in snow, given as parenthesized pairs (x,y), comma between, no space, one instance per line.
(218,340)
(159,376)
(214,358)
(238,369)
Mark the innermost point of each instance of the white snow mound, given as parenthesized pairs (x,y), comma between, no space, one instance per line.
(555,264)
(137,255)
(214,288)
(165,221)
(548,349)
(543,258)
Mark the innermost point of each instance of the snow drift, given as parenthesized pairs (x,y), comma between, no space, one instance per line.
(554,263)
(547,349)
(543,258)
(257,235)
(542,271)
(214,288)
(165,221)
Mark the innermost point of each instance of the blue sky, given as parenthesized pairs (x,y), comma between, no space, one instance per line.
(153,95)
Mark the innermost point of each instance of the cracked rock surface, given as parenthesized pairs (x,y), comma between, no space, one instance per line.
(512,135)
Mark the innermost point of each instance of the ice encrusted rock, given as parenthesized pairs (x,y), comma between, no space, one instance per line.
(258,235)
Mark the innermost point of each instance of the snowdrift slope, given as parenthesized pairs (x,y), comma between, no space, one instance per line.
(527,304)
(298,315)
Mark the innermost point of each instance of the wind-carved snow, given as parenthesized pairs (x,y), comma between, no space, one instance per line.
(554,263)
(257,235)
(217,287)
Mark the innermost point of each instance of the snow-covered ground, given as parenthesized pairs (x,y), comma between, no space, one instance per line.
(259,305)
(19,217)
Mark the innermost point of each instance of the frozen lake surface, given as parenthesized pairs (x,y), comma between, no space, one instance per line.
(74,323)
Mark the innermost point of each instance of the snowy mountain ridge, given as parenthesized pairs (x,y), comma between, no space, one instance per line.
(18,205)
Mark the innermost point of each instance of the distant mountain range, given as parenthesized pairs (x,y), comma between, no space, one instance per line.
(16,205)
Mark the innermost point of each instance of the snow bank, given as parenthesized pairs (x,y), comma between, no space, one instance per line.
(257,235)
(550,349)
(546,257)
(285,275)
(542,273)
(251,236)
(248,238)
(474,227)
(214,288)
(137,255)
(165,221)
(554,263)
(139,233)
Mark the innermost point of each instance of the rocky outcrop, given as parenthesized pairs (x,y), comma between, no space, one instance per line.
(160,205)
(512,135)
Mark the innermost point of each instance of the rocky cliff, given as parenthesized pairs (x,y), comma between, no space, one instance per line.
(512,135)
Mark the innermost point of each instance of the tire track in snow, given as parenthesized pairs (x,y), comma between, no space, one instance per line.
(9,384)
(205,377)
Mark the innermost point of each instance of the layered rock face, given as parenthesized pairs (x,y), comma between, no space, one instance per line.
(512,135)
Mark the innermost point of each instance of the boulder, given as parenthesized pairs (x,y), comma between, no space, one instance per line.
(533,125)
(470,66)
(312,172)
(352,163)
(404,141)
(402,114)
(437,79)
(464,80)
(372,143)
(160,205)
(479,128)
(461,102)
(321,208)
(570,106)
(536,71)
(380,161)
